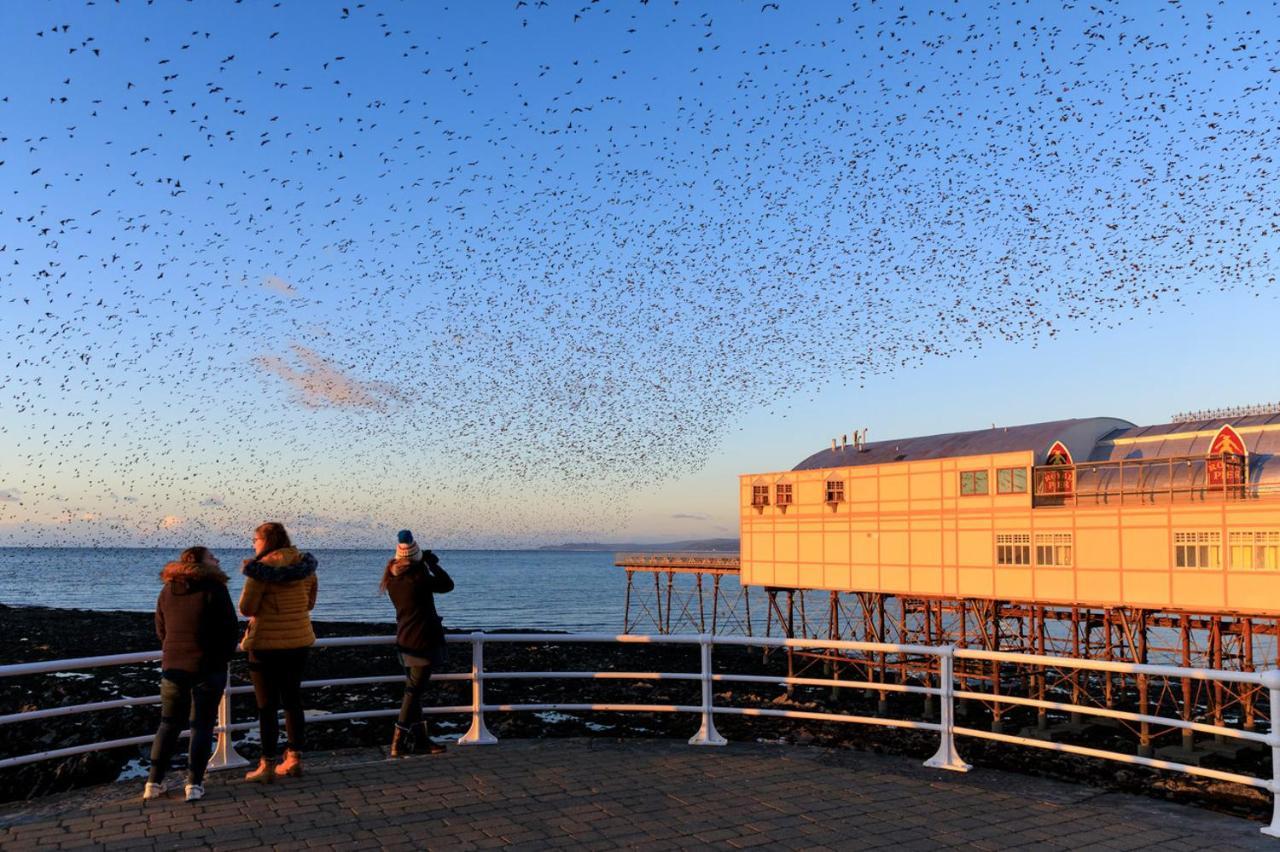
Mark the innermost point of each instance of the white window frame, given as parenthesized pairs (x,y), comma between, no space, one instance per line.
(1197,550)
(1013,550)
(1055,549)
(1253,550)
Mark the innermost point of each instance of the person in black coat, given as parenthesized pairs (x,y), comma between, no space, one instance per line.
(197,628)
(412,579)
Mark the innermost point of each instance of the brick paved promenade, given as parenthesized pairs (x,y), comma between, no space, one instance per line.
(597,794)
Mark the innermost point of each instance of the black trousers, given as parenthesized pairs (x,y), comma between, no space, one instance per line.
(415,683)
(186,696)
(277,683)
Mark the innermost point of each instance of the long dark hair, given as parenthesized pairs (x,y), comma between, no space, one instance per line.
(273,535)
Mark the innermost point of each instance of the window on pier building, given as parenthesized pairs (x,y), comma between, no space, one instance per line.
(1197,549)
(835,490)
(759,495)
(784,494)
(1013,548)
(1053,549)
(973,482)
(1254,549)
(1011,480)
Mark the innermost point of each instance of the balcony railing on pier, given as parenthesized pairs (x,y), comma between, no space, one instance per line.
(940,687)
(1151,481)
(702,563)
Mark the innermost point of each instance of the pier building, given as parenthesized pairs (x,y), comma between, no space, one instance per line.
(1089,537)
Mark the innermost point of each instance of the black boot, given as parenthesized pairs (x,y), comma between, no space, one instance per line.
(424,744)
(401,741)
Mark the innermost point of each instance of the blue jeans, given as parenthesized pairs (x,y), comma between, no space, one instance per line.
(187,696)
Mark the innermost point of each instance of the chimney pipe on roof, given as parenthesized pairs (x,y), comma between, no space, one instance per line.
(844,442)
(833,445)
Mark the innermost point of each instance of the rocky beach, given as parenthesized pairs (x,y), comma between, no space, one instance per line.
(29,634)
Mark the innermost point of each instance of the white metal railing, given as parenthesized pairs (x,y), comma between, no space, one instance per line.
(946,757)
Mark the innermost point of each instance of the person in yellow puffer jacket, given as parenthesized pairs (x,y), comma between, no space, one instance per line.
(279,593)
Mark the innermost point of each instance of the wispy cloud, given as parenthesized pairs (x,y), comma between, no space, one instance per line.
(279,285)
(691,516)
(9,495)
(214,501)
(320,384)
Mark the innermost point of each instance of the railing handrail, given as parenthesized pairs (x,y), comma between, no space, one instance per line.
(545,638)
(947,756)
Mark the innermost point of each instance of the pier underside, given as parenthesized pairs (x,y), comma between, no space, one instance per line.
(692,597)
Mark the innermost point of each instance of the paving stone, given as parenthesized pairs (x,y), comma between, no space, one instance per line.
(646,795)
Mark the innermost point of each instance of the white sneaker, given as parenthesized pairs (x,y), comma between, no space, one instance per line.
(155,791)
(195,792)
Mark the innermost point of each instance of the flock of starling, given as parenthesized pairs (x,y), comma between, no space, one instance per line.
(489,268)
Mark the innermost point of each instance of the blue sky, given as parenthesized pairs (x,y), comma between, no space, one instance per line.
(519,274)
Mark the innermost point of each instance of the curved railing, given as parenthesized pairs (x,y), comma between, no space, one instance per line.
(946,757)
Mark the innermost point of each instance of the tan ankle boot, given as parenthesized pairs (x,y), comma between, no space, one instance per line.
(291,765)
(264,774)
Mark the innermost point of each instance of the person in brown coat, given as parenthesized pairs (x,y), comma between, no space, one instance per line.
(412,580)
(197,628)
(279,593)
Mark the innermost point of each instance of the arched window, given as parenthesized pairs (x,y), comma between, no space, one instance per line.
(1228,459)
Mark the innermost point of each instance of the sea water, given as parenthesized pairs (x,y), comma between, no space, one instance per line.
(496,589)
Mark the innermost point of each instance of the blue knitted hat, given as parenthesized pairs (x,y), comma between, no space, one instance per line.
(404,537)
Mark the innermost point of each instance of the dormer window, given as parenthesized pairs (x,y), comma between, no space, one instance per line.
(783,494)
(759,496)
(835,491)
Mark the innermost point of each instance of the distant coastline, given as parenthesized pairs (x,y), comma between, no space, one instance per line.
(701,545)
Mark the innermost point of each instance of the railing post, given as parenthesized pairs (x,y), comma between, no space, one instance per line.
(707,734)
(478,734)
(947,757)
(1271,680)
(225,755)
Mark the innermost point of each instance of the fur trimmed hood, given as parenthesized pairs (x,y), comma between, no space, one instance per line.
(184,575)
(281,566)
